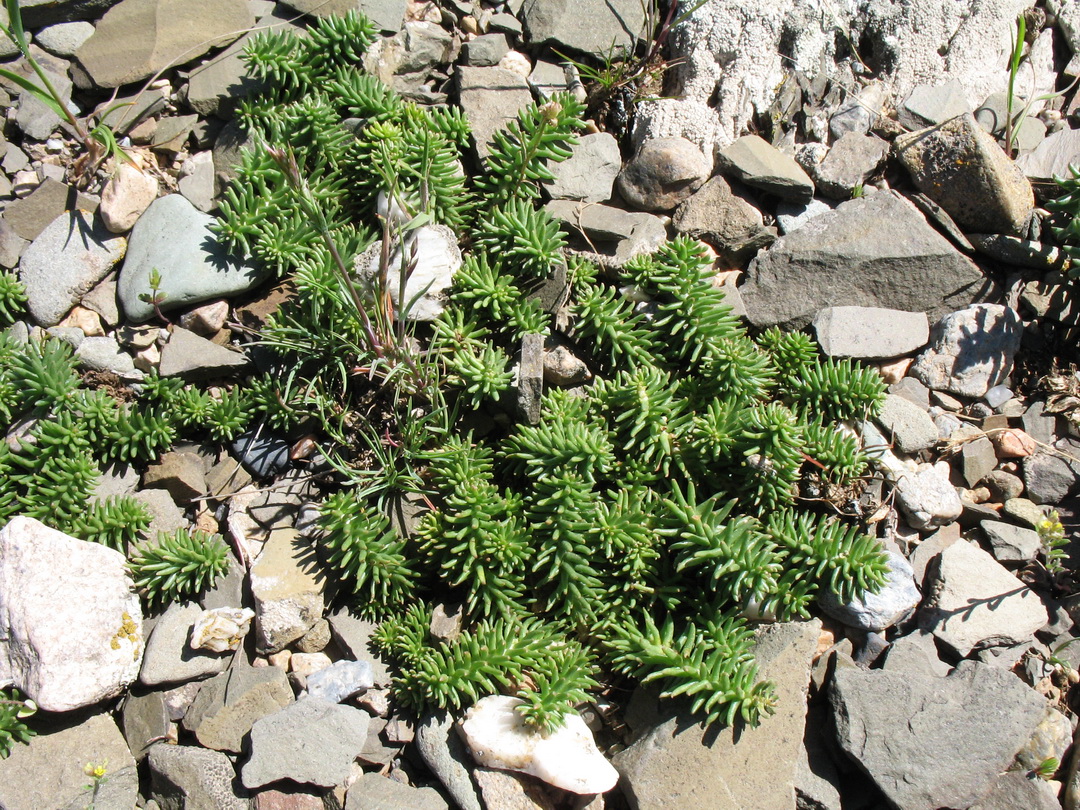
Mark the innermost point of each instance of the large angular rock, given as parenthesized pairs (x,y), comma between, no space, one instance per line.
(137,38)
(288,591)
(490,98)
(49,771)
(870,333)
(594,27)
(311,742)
(975,603)
(679,765)
(960,167)
(71,634)
(174,237)
(192,357)
(970,351)
(933,742)
(186,777)
(873,251)
(229,704)
(65,262)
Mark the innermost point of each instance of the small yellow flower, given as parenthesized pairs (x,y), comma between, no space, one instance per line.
(96,771)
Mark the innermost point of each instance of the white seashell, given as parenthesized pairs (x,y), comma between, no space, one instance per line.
(221,629)
(566,758)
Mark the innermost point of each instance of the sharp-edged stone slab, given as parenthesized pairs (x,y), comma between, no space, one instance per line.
(758,163)
(65,262)
(870,333)
(876,251)
(594,27)
(975,603)
(932,742)
(678,765)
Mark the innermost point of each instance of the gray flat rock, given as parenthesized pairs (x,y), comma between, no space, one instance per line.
(873,251)
(227,705)
(928,104)
(490,98)
(174,238)
(932,742)
(374,792)
(192,357)
(444,752)
(1053,156)
(32,214)
(758,163)
(48,772)
(137,38)
(386,14)
(353,635)
(65,262)
(870,333)
(64,39)
(594,27)
(976,603)
(850,163)
(169,657)
(310,742)
(909,426)
(1011,543)
(678,765)
(589,173)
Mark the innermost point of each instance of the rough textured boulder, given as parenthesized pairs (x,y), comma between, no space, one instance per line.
(873,251)
(71,634)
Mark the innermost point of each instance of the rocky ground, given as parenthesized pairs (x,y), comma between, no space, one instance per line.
(845,163)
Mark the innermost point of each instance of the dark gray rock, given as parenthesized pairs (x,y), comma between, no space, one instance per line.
(228,705)
(145,720)
(589,173)
(916,652)
(64,262)
(612,231)
(872,251)
(262,453)
(32,214)
(975,603)
(971,350)
(486,50)
(490,98)
(933,742)
(792,216)
(663,173)
(185,777)
(1002,485)
(196,181)
(174,237)
(875,612)
(529,380)
(64,39)
(726,219)
(36,119)
(588,26)
(311,742)
(1038,424)
(1011,543)
(960,167)
(676,764)
(851,161)
(758,163)
(1018,252)
(977,460)
(1048,476)
(444,752)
